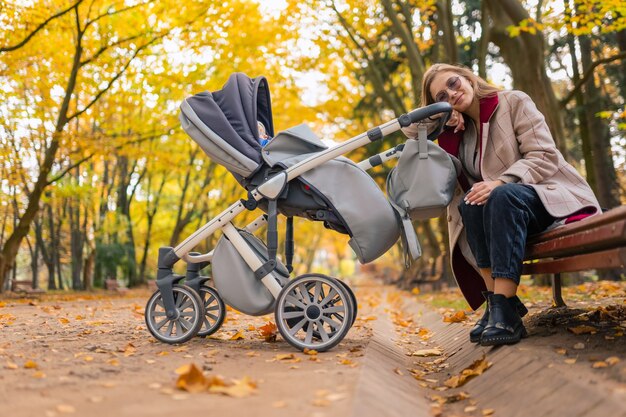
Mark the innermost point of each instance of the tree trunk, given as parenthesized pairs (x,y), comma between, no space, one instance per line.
(445,25)
(528,66)
(583,127)
(605,176)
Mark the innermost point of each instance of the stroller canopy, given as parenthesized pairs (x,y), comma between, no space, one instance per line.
(224,123)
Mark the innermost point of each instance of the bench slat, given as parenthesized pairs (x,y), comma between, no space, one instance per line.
(611,216)
(608,259)
(592,240)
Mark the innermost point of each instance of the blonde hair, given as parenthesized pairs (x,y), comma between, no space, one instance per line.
(481,87)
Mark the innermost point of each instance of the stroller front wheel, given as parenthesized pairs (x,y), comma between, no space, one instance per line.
(314,312)
(214,311)
(184,325)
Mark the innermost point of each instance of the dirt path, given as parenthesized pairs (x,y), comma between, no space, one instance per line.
(90,355)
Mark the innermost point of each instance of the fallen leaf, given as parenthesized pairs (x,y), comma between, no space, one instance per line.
(31,365)
(308,351)
(470,409)
(612,360)
(39,375)
(284,356)
(398,371)
(488,411)
(237,336)
(579,346)
(11,365)
(129,350)
(427,352)
(475,369)
(561,351)
(599,364)
(268,331)
(238,389)
(415,291)
(457,317)
(583,329)
(63,320)
(570,361)
(191,379)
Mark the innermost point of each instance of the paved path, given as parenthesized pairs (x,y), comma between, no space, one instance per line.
(92,356)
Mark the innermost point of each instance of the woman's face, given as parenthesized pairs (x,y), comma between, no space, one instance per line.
(450,87)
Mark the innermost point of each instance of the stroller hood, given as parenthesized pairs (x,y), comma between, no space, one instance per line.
(224,123)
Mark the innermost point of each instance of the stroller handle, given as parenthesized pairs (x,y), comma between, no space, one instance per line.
(424,112)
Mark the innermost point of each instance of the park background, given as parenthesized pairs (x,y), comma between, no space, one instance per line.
(96,173)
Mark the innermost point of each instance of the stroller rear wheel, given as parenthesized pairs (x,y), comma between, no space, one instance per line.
(314,312)
(214,311)
(184,324)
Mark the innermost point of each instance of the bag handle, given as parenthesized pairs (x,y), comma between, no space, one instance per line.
(422,141)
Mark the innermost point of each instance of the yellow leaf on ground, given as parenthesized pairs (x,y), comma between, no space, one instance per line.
(457,317)
(612,360)
(570,361)
(308,351)
(63,320)
(11,365)
(39,375)
(237,336)
(129,350)
(475,369)
(599,364)
(415,291)
(427,352)
(583,329)
(238,389)
(31,365)
(191,379)
(488,411)
(284,356)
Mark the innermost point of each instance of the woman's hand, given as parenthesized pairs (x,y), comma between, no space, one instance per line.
(479,193)
(456,120)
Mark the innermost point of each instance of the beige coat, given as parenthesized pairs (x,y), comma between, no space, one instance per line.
(516,147)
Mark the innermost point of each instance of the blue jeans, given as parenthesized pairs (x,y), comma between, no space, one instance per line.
(497,231)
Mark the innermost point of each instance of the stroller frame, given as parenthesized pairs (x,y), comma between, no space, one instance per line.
(168,283)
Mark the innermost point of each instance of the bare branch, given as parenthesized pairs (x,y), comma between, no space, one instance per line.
(38,28)
(588,74)
(111,45)
(116,76)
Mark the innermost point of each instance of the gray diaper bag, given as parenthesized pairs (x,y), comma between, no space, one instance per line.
(420,187)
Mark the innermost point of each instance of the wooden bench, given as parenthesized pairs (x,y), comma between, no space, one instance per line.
(114,285)
(25,286)
(598,242)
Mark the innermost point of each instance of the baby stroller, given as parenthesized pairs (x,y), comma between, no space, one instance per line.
(295,174)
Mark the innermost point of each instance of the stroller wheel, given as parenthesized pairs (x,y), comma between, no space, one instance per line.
(186,323)
(352,299)
(214,311)
(314,312)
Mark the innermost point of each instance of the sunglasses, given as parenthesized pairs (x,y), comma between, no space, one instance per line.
(453,84)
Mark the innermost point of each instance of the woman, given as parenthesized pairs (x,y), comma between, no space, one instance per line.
(514,183)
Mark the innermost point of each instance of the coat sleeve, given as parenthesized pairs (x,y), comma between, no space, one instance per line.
(539,153)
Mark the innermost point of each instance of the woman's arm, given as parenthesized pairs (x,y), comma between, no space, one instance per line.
(540,156)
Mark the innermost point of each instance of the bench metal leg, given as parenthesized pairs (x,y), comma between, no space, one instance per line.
(557,298)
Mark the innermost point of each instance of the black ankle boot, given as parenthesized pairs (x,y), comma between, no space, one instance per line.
(480,325)
(505,326)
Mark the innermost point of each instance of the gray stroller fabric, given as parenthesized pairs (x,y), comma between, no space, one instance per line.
(224,123)
(235,281)
(352,193)
(343,196)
